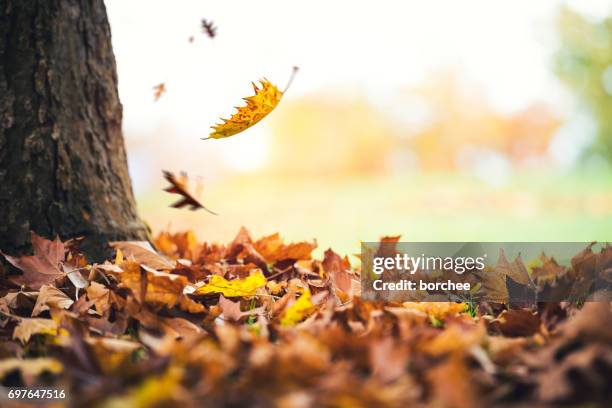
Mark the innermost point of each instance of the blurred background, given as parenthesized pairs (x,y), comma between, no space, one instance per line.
(447,120)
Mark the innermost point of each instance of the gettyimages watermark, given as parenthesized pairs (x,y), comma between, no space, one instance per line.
(511,272)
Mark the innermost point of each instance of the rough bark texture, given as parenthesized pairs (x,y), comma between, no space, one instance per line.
(63,167)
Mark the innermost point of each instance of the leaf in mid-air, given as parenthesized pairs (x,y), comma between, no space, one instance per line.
(266,98)
(208,27)
(159,90)
(180,186)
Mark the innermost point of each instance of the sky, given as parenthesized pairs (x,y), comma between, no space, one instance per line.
(376,47)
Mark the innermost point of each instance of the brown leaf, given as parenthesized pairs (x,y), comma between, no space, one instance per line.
(179,186)
(50,296)
(517,323)
(29,327)
(42,268)
(142,253)
(208,27)
(273,249)
(515,270)
(452,385)
(339,271)
(100,295)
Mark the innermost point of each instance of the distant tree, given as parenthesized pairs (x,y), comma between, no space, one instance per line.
(584,62)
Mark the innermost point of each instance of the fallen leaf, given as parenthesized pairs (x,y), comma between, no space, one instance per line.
(517,323)
(257,107)
(233,288)
(273,249)
(143,253)
(42,268)
(339,271)
(50,296)
(26,328)
(298,310)
(31,367)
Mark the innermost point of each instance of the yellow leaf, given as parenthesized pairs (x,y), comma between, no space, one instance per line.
(28,327)
(297,311)
(237,287)
(257,107)
(30,367)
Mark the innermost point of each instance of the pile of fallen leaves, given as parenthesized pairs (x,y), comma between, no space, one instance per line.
(262,323)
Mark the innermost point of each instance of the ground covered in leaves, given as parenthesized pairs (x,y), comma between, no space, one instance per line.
(262,323)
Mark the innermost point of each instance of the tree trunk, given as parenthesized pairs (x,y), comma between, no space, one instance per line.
(63,167)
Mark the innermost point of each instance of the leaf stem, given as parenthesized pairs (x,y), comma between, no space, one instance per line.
(295,70)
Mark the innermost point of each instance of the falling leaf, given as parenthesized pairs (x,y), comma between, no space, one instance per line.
(298,310)
(233,288)
(50,296)
(258,106)
(179,186)
(159,90)
(209,28)
(42,268)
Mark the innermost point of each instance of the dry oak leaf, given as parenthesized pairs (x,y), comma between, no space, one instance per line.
(298,310)
(50,296)
(142,253)
(32,367)
(180,185)
(26,328)
(208,28)
(257,107)
(42,268)
(233,288)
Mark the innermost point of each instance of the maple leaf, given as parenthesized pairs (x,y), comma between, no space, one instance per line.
(208,27)
(50,296)
(273,249)
(233,288)
(159,90)
(42,268)
(257,107)
(298,310)
(179,186)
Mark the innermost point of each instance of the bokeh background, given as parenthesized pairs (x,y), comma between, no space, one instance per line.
(477,120)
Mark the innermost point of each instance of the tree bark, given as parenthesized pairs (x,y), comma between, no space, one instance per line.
(63,167)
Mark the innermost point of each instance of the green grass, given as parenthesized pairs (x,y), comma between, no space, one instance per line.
(340,212)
